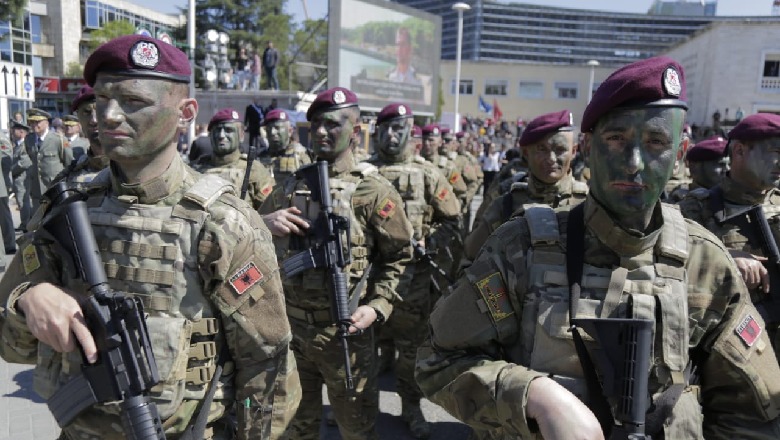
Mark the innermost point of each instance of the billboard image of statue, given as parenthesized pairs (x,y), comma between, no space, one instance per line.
(385,53)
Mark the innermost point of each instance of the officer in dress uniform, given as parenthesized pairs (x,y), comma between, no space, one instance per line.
(48,151)
(199,259)
(284,156)
(227,162)
(380,235)
(6,220)
(501,356)
(76,142)
(708,163)
(548,147)
(21,163)
(430,204)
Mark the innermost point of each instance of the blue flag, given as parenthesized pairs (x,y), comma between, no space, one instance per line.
(484,106)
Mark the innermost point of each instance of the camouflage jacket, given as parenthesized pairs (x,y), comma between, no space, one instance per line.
(202,262)
(451,172)
(468,170)
(232,168)
(513,171)
(82,170)
(506,323)
(283,165)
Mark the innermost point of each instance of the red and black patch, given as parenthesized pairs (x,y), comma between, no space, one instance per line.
(245,278)
(454,177)
(386,208)
(266,190)
(748,330)
(493,291)
(442,194)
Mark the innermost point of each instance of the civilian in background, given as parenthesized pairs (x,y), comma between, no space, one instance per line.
(201,146)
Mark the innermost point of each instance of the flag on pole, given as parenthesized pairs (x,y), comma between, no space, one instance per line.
(484,106)
(497,113)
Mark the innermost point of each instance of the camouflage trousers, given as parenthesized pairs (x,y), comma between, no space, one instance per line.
(320,359)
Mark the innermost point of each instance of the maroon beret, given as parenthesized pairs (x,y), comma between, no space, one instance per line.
(416,131)
(86,94)
(713,148)
(224,115)
(756,127)
(276,114)
(394,111)
(460,134)
(654,82)
(431,130)
(332,99)
(546,124)
(138,55)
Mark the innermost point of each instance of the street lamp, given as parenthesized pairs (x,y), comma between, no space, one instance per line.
(592,64)
(460,7)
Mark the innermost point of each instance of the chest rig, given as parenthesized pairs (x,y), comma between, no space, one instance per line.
(409,180)
(233,173)
(654,280)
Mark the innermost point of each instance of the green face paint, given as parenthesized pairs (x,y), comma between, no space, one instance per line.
(632,155)
(332,133)
(225,137)
(709,173)
(762,164)
(278,135)
(87,115)
(393,136)
(549,160)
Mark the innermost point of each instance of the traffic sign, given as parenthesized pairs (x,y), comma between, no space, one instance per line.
(16,81)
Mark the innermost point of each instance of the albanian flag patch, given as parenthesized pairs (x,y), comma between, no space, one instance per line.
(748,330)
(245,278)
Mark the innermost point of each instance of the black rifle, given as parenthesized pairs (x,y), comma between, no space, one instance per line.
(327,234)
(623,358)
(423,254)
(250,160)
(125,369)
(769,307)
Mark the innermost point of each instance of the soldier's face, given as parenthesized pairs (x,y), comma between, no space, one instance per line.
(87,115)
(709,173)
(278,134)
(333,132)
(140,117)
(225,137)
(549,160)
(430,146)
(393,136)
(632,155)
(761,164)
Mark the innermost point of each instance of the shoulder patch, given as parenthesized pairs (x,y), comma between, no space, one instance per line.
(266,190)
(454,176)
(748,330)
(442,194)
(30,259)
(493,291)
(245,278)
(386,208)
(365,169)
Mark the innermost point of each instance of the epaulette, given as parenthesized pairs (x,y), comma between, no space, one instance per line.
(420,159)
(207,189)
(579,188)
(365,169)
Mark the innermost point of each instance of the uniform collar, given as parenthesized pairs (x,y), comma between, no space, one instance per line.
(229,158)
(547,191)
(343,164)
(735,193)
(623,242)
(153,191)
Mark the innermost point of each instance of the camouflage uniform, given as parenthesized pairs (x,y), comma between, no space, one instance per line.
(566,192)
(511,172)
(285,164)
(21,182)
(506,323)
(49,157)
(380,234)
(82,170)
(177,242)
(232,168)
(681,191)
(468,170)
(6,219)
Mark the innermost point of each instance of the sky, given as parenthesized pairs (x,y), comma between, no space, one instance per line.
(319,8)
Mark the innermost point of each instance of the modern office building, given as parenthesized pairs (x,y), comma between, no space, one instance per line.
(525,33)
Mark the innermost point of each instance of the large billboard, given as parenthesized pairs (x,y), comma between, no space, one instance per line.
(385,53)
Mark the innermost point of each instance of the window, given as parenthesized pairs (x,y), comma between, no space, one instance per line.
(93,21)
(531,89)
(566,90)
(496,87)
(466,87)
(35,24)
(772,68)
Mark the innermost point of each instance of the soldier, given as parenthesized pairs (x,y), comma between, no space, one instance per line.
(284,155)
(735,209)
(48,152)
(6,220)
(227,162)
(515,170)
(199,258)
(501,356)
(19,174)
(380,235)
(708,164)
(467,170)
(430,204)
(78,144)
(548,146)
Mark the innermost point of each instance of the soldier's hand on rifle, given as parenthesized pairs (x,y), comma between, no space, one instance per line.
(55,318)
(285,222)
(362,319)
(752,269)
(559,413)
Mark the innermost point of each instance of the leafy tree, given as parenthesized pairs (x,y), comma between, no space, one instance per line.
(74,70)
(12,9)
(112,29)
(309,44)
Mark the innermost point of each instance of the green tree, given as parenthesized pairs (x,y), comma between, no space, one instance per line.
(12,9)
(74,70)
(112,29)
(310,45)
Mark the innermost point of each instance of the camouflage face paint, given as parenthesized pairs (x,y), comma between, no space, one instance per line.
(87,114)
(709,173)
(225,137)
(762,164)
(332,133)
(278,135)
(393,136)
(549,160)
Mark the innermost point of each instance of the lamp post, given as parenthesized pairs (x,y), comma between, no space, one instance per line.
(460,7)
(191,45)
(592,64)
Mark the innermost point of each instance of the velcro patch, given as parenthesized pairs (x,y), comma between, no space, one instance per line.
(454,177)
(442,194)
(748,330)
(30,259)
(245,278)
(386,208)
(266,190)
(493,291)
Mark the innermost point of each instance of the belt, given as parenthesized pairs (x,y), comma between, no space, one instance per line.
(310,316)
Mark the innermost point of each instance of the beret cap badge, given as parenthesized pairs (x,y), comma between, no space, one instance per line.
(234,114)
(339,97)
(401,110)
(145,54)
(672,82)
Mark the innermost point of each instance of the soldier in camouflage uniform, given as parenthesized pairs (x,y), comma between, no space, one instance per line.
(500,355)
(6,219)
(467,170)
(380,235)
(20,181)
(548,146)
(463,140)
(284,156)
(72,130)
(48,151)
(725,209)
(679,176)
(200,260)
(429,203)
(227,162)
(708,164)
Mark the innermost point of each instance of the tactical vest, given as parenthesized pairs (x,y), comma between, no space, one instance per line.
(342,188)
(151,252)
(409,180)
(656,284)
(282,166)
(233,173)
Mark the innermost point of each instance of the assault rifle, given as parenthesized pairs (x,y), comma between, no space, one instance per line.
(125,369)
(769,307)
(427,256)
(327,234)
(623,359)
(250,160)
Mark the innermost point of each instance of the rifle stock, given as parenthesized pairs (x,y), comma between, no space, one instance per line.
(250,160)
(769,307)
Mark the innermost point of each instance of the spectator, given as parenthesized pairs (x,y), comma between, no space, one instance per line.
(242,64)
(270,59)
(253,120)
(201,146)
(491,164)
(256,71)
(273,105)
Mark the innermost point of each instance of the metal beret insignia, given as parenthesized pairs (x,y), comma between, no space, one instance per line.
(234,115)
(145,54)
(282,115)
(672,84)
(339,97)
(401,110)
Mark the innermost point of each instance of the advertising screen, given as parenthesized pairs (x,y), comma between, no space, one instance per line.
(385,53)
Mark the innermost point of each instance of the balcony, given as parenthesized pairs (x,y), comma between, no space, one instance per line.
(770,84)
